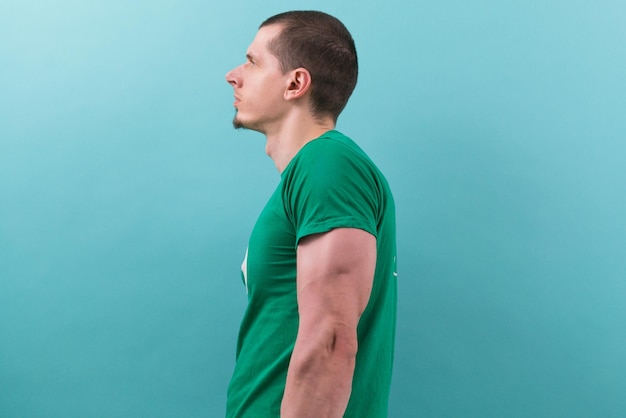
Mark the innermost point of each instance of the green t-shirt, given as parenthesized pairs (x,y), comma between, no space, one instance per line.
(330,183)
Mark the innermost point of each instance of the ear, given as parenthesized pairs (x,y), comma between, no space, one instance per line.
(299,84)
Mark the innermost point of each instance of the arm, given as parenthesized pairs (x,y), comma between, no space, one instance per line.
(335,275)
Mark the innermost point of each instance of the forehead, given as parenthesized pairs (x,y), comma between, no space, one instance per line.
(263,37)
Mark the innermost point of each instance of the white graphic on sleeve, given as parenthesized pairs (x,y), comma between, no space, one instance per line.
(244,270)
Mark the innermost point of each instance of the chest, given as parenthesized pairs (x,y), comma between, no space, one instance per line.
(270,265)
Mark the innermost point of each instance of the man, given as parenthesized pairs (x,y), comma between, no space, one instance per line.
(317,336)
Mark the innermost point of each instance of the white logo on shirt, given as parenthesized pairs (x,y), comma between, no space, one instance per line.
(244,270)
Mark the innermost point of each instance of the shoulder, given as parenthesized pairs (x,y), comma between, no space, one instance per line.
(332,165)
(332,151)
(332,141)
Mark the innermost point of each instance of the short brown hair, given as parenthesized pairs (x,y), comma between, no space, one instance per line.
(321,44)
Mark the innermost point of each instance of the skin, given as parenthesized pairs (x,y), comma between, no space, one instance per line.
(335,269)
(274,103)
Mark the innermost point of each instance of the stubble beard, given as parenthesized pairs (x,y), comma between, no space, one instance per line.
(239,124)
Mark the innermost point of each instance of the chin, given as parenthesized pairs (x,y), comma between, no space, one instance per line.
(238,123)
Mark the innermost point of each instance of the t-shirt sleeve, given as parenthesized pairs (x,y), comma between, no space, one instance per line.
(330,186)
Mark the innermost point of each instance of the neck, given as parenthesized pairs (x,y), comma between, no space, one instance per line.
(284,142)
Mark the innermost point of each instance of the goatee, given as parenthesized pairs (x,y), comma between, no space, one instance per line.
(237,124)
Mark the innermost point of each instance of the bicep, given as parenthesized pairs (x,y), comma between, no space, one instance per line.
(335,273)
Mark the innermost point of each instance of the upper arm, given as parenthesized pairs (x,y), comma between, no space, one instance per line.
(335,273)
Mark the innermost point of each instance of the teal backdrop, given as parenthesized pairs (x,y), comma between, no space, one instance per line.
(126,200)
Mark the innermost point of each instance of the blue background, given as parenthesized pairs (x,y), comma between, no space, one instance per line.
(126,200)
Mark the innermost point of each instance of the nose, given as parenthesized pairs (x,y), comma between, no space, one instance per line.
(232,77)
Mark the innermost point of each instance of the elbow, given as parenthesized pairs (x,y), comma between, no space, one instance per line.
(340,342)
(344,343)
(334,349)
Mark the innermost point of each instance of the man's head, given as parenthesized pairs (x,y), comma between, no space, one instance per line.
(321,44)
(295,55)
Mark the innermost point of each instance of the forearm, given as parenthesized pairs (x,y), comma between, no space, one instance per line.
(319,379)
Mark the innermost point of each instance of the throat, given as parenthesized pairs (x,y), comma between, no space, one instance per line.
(280,152)
(281,148)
